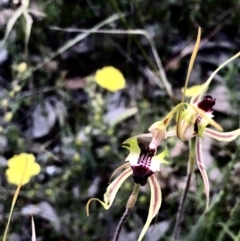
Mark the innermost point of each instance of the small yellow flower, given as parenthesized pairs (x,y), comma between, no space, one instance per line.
(11,93)
(4,103)
(22,67)
(16,88)
(21,168)
(8,116)
(110,78)
(76,157)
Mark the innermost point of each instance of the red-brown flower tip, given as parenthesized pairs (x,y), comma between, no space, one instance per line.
(207,103)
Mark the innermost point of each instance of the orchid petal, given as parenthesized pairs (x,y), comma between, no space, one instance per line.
(193,57)
(132,145)
(124,166)
(222,136)
(158,160)
(160,157)
(206,84)
(155,203)
(193,90)
(201,168)
(112,190)
(170,115)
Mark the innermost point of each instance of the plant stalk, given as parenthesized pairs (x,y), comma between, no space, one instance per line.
(129,207)
(179,218)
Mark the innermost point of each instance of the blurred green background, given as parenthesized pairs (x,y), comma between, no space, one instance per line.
(75,128)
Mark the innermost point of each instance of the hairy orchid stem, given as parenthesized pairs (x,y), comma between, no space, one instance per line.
(120,224)
(179,218)
(129,207)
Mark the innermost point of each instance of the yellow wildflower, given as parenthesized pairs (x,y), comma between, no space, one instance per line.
(21,168)
(110,78)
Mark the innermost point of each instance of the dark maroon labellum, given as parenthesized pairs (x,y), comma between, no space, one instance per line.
(207,103)
(142,171)
(141,174)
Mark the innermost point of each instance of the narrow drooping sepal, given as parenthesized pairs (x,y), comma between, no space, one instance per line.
(155,203)
(205,86)
(222,136)
(202,169)
(112,190)
(124,166)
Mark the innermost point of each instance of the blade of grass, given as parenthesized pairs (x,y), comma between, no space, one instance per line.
(11,22)
(29,22)
(33,229)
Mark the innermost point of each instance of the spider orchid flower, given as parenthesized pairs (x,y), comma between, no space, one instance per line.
(194,117)
(193,123)
(142,164)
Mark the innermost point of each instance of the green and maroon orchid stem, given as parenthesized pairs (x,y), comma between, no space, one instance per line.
(129,207)
(176,230)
